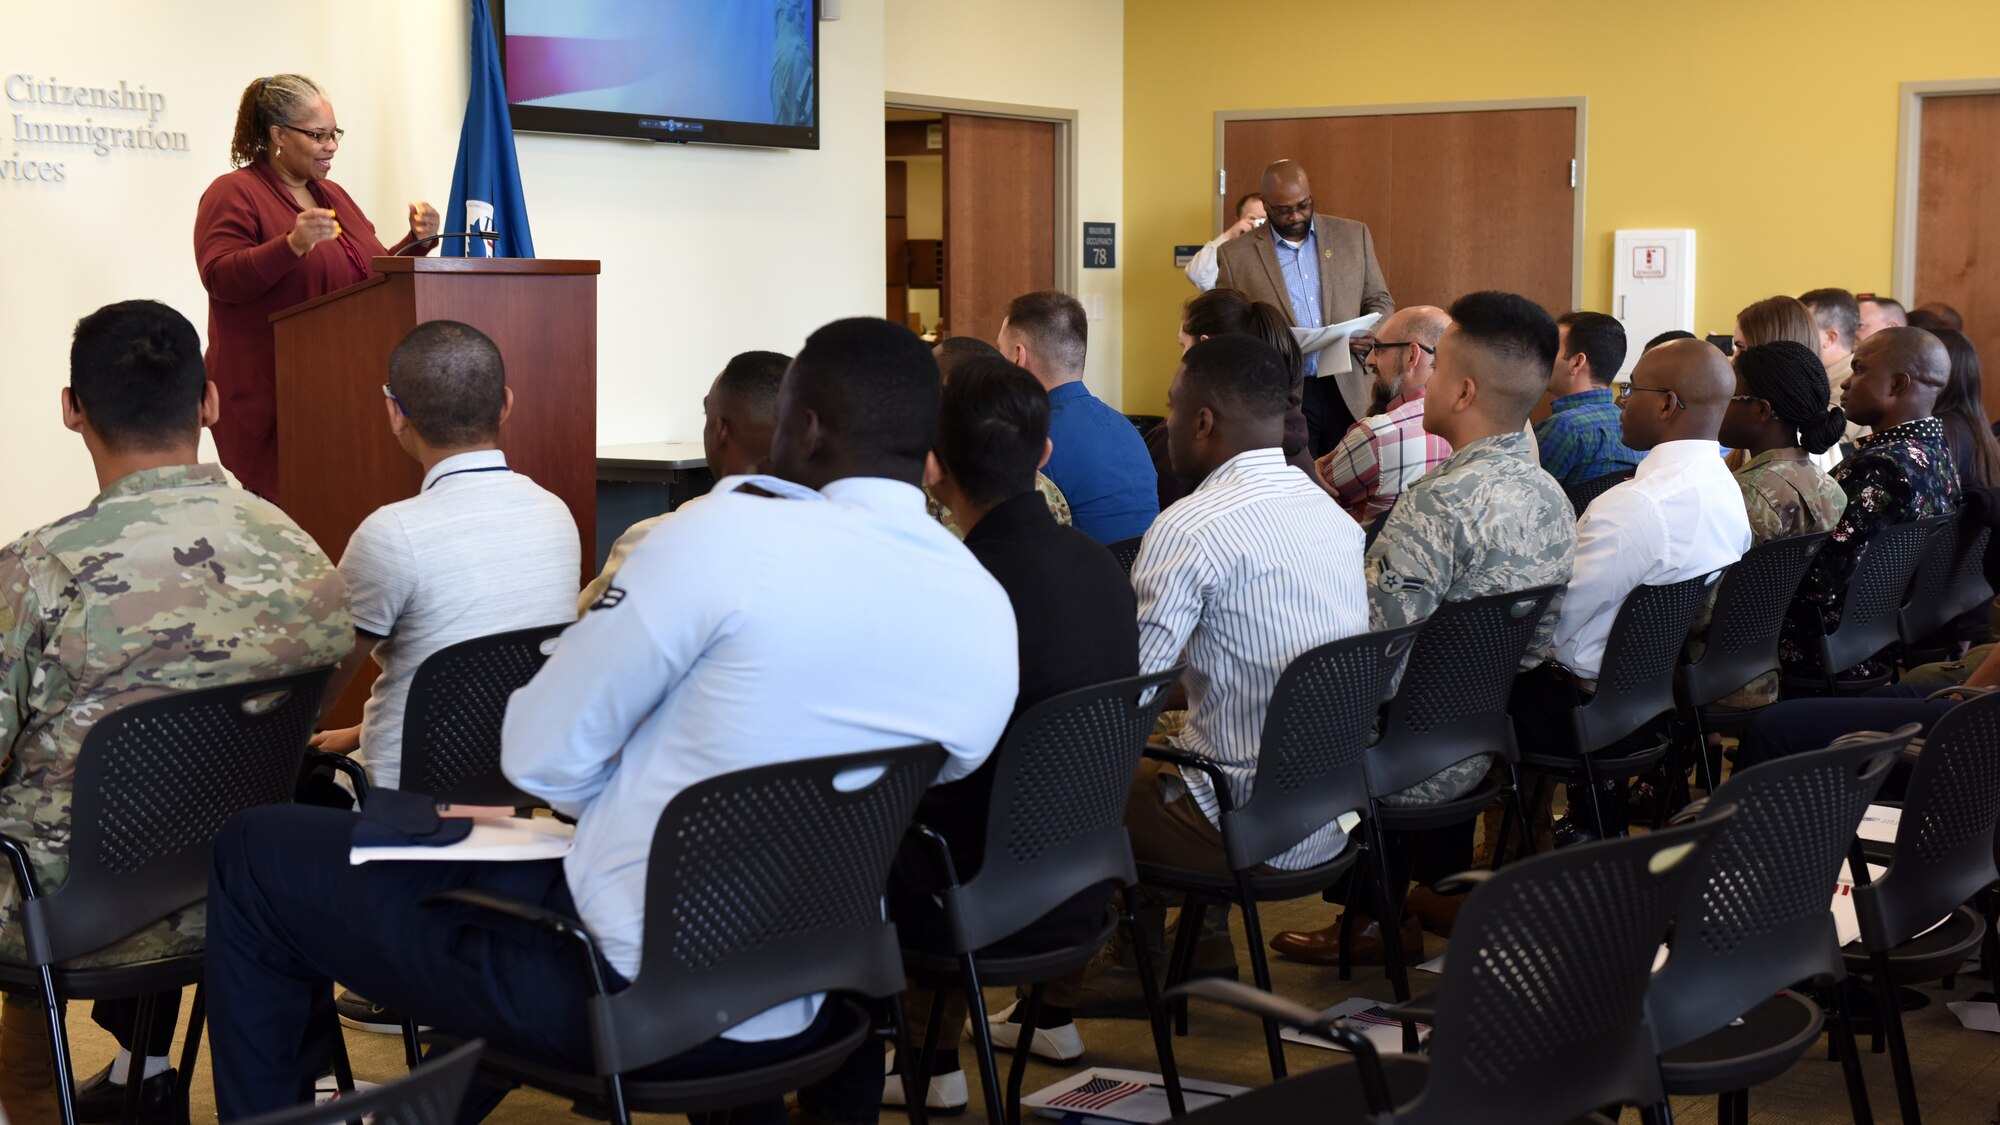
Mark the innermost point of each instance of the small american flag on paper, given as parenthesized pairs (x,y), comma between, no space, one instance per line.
(1096,1094)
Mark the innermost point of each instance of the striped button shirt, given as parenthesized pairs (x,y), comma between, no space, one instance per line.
(1252,568)
(1381,457)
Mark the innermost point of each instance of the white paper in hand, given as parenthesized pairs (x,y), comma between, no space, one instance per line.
(1334,360)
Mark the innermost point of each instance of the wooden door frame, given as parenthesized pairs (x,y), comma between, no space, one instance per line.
(1909,172)
(1580,104)
(1066,234)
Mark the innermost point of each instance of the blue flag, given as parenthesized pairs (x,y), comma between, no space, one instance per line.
(486,184)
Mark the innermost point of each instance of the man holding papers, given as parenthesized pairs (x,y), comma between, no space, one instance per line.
(1322,270)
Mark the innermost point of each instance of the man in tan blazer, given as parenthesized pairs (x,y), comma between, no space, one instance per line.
(1272,264)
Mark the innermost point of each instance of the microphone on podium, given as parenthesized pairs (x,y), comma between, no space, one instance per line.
(412,248)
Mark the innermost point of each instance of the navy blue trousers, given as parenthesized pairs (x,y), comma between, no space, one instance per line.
(288,915)
(1800,726)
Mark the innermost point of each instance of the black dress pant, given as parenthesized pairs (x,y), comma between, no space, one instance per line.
(288,915)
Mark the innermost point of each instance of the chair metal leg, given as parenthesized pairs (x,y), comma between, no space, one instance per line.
(1890,1018)
(191,1046)
(413,1048)
(1527,818)
(145,1015)
(1344,966)
(1596,806)
(982,1040)
(1163,1041)
(916,1083)
(1181,966)
(917,1071)
(1260,970)
(614,1096)
(54,1010)
(1840,1037)
(1663,1114)
(343,1073)
(1031,1015)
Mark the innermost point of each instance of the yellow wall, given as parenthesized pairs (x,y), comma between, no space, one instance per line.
(1767,126)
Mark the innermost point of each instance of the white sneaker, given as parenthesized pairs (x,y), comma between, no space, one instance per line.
(1058,1044)
(947,1094)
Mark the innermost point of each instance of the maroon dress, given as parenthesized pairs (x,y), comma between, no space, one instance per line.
(250,272)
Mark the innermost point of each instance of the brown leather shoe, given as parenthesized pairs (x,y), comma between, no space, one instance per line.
(1322,947)
(1436,913)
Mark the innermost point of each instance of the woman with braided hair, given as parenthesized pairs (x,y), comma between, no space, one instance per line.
(1779,417)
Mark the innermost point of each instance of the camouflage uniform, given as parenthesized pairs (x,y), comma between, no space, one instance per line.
(1785,494)
(1487,521)
(171,580)
(1058,505)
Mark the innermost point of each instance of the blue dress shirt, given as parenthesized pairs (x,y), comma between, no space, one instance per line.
(1301,270)
(1101,464)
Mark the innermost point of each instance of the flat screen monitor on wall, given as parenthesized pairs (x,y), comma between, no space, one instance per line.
(733,72)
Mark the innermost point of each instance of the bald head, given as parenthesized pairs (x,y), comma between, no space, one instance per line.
(1405,351)
(1898,374)
(1288,201)
(1679,392)
(1914,352)
(1424,324)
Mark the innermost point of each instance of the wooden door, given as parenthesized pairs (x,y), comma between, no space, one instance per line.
(896,191)
(1455,201)
(999,218)
(1958,221)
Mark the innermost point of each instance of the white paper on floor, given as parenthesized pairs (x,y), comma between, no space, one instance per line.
(1879,823)
(1104,1094)
(1368,1017)
(1976,1015)
(1434,965)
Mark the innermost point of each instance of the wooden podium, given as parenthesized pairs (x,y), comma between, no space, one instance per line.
(337,460)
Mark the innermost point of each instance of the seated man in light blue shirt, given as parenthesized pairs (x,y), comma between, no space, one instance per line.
(817,612)
(1099,460)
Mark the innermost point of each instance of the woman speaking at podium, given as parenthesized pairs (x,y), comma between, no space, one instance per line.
(267,236)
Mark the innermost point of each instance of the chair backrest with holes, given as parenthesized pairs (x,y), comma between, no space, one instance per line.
(154,782)
(458,701)
(1127,551)
(765,885)
(1056,825)
(1640,659)
(1944,852)
(1929,607)
(1741,642)
(1452,702)
(1872,608)
(1753,918)
(1540,1014)
(1310,758)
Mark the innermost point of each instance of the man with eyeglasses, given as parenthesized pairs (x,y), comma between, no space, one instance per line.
(1680,516)
(1581,440)
(1319,269)
(1384,454)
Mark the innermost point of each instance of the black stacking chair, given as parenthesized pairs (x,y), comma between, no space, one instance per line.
(1741,642)
(1055,828)
(1942,858)
(1450,706)
(1581,494)
(431,1095)
(1309,773)
(1950,582)
(458,700)
(155,781)
(1635,687)
(1541,1014)
(782,870)
(1871,614)
(1127,551)
(1753,922)
(1929,607)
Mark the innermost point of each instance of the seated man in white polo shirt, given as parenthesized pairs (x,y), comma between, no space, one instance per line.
(478,550)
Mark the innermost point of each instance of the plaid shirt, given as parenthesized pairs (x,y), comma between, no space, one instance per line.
(1381,457)
(1582,438)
